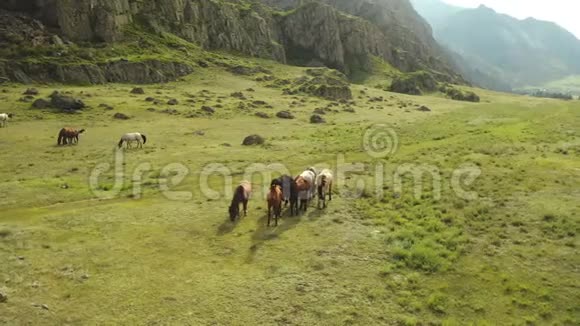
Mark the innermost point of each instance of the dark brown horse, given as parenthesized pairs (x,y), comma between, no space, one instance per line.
(275,199)
(241,195)
(289,192)
(69,136)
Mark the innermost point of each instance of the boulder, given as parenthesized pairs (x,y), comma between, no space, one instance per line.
(208,109)
(253,140)
(150,99)
(31,91)
(3,297)
(315,118)
(40,104)
(66,103)
(285,115)
(173,102)
(121,116)
(414,83)
(137,90)
(423,108)
(262,115)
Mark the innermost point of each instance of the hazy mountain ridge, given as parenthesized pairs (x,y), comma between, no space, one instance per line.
(498,49)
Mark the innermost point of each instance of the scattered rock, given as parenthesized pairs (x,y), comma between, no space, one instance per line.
(262,115)
(151,109)
(239,95)
(285,115)
(30,91)
(259,102)
(423,108)
(202,64)
(106,106)
(199,133)
(253,140)
(319,111)
(170,111)
(227,145)
(150,99)
(137,90)
(26,99)
(247,71)
(121,116)
(349,109)
(3,297)
(208,109)
(173,102)
(315,118)
(250,90)
(40,104)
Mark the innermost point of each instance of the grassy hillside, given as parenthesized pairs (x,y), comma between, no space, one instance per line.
(508,256)
(570,84)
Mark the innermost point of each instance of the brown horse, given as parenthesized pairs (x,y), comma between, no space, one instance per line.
(289,191)
(275,199)
(241,195)
(69,136)
(305,183)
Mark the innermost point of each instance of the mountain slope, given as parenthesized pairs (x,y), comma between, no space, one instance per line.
(497,48)
(315,33)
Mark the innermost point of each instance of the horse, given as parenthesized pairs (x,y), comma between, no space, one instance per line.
(132,137)
(241,195)
(305,185)
(69,136)
(324,184)
(4,117)
(289,191)
(275,198)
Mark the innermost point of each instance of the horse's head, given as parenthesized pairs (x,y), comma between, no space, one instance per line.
(234,212)
(10,115)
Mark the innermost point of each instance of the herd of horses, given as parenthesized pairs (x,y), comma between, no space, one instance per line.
(298,192)
(71,136)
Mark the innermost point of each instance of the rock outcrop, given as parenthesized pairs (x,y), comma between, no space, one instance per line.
(122,71)
(313,33)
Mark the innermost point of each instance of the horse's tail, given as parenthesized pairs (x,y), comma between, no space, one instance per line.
(120,143)
(144,138)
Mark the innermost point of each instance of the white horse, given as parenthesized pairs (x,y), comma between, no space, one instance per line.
(324,184)
(132,137)
(4,117)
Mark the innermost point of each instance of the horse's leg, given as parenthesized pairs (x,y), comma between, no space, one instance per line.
(245,207)
(269,212)
(330,192)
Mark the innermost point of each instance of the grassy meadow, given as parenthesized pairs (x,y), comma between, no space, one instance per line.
(508,256)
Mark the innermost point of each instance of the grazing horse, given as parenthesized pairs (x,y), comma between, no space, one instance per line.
(68,136)
(289,191)
(4,117)
(305,184)
(324,184)
(275,198)
(241,195)
(133,137)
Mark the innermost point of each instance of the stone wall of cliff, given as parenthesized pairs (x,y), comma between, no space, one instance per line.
(312,32)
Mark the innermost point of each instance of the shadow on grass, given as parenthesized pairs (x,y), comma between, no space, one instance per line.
(286,223)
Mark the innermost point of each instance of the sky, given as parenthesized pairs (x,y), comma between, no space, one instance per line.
(565,13)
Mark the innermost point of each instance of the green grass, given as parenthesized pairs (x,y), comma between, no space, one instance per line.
(507,257)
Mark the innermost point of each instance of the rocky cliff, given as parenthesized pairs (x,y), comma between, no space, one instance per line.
(311,33)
